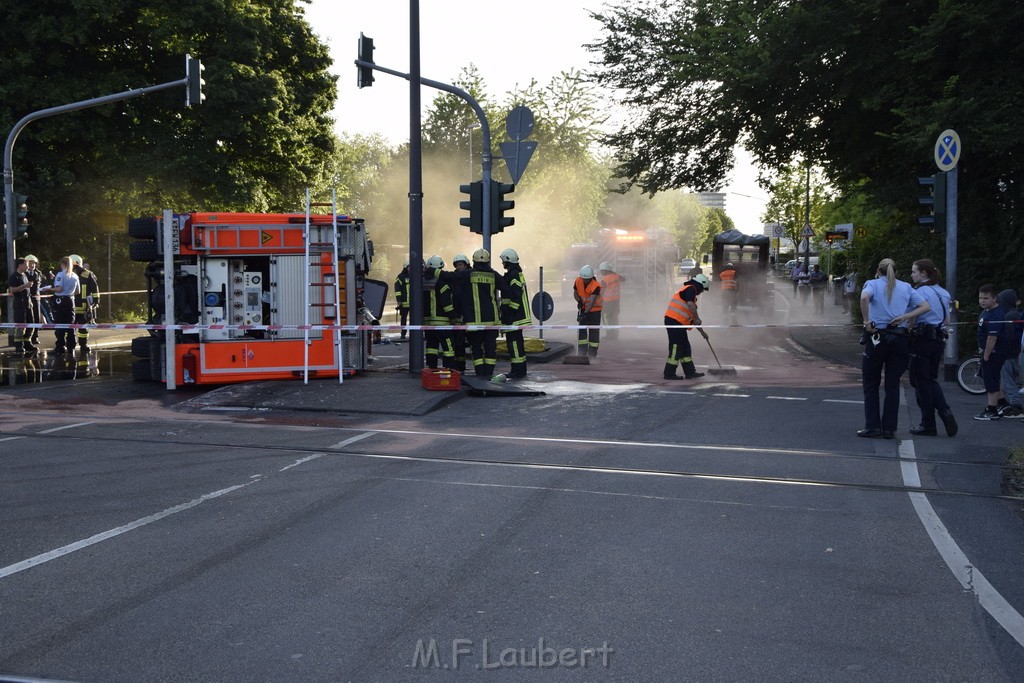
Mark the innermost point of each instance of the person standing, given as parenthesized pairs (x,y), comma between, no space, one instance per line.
(18,287)
(730,289)
(849,291)
(817,281)
(515,310)
(478,305)
(459,263)
(64,288)
(402,298)
(587,293)
(438,310)
(86,302)
(794,275)
(35,278)
(1010,374)
(886,346)
(611,293)
(994,342)
(927,345)
(682,310)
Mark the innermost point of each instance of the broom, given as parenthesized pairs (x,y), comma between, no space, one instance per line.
(721,369)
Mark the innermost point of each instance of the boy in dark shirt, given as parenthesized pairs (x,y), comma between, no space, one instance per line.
(994,342)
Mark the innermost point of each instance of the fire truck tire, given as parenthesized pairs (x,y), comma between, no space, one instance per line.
(142,371)
(145,347)
(142,251)
(142,228)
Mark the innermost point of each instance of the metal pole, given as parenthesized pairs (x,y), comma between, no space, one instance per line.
(540,319)
(170,355)
(469,132)
(807,221)
(415,193)
(110,287)
(952,343)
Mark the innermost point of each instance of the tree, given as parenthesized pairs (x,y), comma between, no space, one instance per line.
(788,203)
(263,134)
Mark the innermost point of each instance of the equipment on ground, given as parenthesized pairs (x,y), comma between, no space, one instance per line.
(721,369)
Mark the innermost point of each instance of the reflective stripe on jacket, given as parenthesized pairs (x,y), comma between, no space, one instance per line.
(683,312)
(728,278)
(611,285)
(588,294)
(515,310)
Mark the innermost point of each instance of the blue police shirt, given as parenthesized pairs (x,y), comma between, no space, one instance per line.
(938,298)
(881,310)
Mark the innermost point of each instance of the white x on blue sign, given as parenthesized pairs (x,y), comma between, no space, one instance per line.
(947,150)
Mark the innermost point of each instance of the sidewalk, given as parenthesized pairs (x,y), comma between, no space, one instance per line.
(837,339)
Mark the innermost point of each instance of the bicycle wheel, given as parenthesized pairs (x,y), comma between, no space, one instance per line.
(968,376)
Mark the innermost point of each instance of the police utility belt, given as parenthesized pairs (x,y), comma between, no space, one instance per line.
(929,332)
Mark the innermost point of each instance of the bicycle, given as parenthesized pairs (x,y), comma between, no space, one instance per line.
(968,376)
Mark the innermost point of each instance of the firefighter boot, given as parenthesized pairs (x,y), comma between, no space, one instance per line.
(670,372)
(690,371)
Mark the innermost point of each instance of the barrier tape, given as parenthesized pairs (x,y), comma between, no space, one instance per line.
(47,296)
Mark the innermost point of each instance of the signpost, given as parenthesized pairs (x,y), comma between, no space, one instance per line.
(947,154)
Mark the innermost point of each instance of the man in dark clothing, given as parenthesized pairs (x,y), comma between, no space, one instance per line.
(1010,375)
(994,342)
(18,287)
(515,310)
(85,304)
(402,298)
(35,279)
(818,280)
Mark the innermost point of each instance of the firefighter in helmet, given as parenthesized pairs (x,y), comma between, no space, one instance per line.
(438,310)
(682,310)
(86,303)
(515,310)
(727,276)
(459,263)
(611,286)
(587,292)
(402,298)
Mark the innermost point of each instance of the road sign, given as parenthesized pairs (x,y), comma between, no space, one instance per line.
(778,231)
(831,236)
(519,123)
(947,150)
(860,233)
(807,231)
(542,305)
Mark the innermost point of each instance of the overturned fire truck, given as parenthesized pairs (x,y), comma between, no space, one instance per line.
(253,292)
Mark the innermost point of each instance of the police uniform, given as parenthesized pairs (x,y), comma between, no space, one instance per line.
(927,345)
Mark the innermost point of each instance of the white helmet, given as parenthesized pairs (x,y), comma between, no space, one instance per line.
(509,256)
(460,257)
(605,266)
(76,259)
(481,256)
(729,265)
(701,279)
(435,262)
(586,272)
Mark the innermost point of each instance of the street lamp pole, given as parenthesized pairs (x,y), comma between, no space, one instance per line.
(469,133)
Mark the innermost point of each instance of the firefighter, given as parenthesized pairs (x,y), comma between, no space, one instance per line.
(729,289)
(515,310)
(611,286)
(459,263)
(439,310)
(587,292)
(402,298)
(682,310)
(478,304)
(86,303)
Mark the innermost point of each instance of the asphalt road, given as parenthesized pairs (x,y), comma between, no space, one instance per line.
(619,527)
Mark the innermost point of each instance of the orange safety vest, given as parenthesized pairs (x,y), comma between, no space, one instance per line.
(728,278)
(585,291)
(610,287)
(683,312)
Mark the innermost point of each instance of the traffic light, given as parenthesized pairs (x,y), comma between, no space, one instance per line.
(931,198)
(194,75)
(499,205)
(20,216)
(365,55)
(475,206)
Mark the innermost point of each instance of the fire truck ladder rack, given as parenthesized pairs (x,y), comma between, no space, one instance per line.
(320,239)
(652,255)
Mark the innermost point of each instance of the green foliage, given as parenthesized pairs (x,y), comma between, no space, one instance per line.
(789,203)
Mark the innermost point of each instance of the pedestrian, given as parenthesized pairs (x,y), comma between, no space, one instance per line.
(438,310)
(927,345)
(804,286)
(402,298)
(849,290)
(794,275)
(64,288)
(515,310)
(611,293)
(587,293)
(35,278)
(817,280)
(730,289)
(994,346)
(86,303)
(459,263)
(682,310)
(886,305)
(1010,374)
(18,286)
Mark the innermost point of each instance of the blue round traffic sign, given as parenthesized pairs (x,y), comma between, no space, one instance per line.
(947,150)
(543,306)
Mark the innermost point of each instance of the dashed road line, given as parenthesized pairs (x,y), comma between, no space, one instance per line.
(841,400)
(60,429)
(787,398)
(357,437)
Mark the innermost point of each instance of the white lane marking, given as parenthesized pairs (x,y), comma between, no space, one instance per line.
(786,398)
(226,409)
(733,395)
(840,400)
(59,429)
(302,460)
(12,438)
(99,538)
(592,442)
(683,393)
(357,437)
(969,576)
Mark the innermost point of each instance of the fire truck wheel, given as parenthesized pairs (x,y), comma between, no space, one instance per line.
(142,251)
(145,347)
(142,228)
(141,371)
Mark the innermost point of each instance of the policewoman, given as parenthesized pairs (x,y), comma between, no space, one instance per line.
(886,305)
(927,345)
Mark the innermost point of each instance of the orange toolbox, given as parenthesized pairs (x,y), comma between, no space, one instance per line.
(441,380)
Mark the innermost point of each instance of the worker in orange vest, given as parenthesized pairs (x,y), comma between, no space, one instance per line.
(729,290)
(682,310)
(611,287)
(587,292)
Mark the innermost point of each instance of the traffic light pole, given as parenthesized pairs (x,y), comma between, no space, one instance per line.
(41,114)
(485,130)
(952,359)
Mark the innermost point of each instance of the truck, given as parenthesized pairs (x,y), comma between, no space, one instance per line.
(749,255)
(645,258)
(251,290)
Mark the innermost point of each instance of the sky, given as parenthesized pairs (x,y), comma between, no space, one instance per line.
(510,43)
